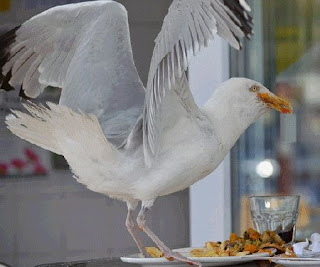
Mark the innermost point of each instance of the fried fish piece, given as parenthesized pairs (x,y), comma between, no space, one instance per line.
(252,234)
(272,237)
(266,237)
(233,237)
(251,248)
(278,239)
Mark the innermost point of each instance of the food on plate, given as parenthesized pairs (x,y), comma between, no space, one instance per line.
(251,242)
(154,252)
(289,253)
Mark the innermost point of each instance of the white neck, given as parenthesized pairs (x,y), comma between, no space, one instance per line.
(230,118)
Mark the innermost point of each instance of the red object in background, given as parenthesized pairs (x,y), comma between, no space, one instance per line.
(39,169)
(4,169)
(29,165)
(18,164)
(31,155)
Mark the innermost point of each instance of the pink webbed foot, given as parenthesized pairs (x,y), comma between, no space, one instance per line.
(168,253)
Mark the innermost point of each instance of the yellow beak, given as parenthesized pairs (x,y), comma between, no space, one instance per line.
(276,103)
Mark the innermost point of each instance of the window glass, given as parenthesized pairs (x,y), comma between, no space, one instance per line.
(280,154)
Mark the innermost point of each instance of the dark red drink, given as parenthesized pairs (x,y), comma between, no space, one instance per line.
(287,236)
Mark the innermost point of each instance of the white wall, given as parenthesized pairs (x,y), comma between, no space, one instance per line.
(210,202)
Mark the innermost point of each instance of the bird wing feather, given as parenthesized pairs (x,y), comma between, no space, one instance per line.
(187,28)
(84,49)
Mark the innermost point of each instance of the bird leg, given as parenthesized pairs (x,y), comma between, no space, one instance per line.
(130,224)
(168,253)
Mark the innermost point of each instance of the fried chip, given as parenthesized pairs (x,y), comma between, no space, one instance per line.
(154,252)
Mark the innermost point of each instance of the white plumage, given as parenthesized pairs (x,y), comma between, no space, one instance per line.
(122,140)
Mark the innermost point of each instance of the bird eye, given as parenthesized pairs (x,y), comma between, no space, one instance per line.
(254,88)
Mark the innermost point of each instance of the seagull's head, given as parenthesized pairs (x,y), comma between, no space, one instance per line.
(255,92)
(248,96)
(237,103)
(240,101)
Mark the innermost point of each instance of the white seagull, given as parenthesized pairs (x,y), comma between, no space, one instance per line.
(119,138)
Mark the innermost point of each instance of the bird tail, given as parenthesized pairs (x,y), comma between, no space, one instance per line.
(60,130)
(36,128)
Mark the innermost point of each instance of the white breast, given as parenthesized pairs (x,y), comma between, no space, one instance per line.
(185,158)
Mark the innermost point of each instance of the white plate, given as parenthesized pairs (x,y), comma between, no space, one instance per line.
(297,261)
(206,261)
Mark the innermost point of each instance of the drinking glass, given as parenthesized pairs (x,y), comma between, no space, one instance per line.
(275,213)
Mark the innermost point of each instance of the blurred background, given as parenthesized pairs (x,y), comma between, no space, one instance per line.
(46,216)
(280,154)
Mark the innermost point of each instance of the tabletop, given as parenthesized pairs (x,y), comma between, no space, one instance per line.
(116,262)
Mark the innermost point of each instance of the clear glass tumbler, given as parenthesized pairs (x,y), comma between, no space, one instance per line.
(275,213)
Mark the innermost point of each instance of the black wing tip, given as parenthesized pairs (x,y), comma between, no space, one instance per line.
(23,95)
(6,40)
(242,14)
(10,32)
(4,80)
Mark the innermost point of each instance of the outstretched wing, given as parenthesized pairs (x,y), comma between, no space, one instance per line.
(187,28)
(84,49)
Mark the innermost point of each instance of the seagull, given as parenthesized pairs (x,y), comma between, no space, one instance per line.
(120,138)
